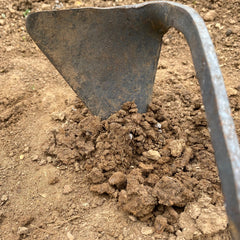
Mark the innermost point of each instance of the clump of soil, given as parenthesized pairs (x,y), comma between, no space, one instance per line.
(139,160)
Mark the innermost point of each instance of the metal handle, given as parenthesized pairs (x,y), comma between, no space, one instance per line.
(221,126)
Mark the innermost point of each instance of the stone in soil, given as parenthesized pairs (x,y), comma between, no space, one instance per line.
(23,231)
(176,147)
(210,16)
(2,22)
(4,199)
(152,155)
(35,157)
(147,230)
(70,236)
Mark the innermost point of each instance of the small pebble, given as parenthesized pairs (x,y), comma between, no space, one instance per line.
(26,149)
(210,16)
(120,237)
(151,154)
(35,157)
(70,236)
(76,166)
(67,189)
(86,205)
(2,22)
(185,63)
(219,26)
(53,180)
(45,6)
(166,41)
(4,199)
(228,32)
(44,195)
(49,159)
(232,21)
(22,231)
(232,92)
(132,218)
(176,147)
(42,162)
(147,230)
(58,116)
(130,136)
(21,157)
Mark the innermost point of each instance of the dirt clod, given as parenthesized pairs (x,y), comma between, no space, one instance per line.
(151,154)
(96,176)
(200,216)
(53,180)
(102,188)
(171,192)
(176,147)
(160,224)
(58,116)
(147,230)
(138,199)
(118,179)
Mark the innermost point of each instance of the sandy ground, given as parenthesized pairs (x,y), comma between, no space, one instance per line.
(65,174)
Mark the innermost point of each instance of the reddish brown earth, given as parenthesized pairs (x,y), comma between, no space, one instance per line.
(65,174)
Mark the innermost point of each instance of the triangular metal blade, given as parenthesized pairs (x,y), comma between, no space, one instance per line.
(108,56)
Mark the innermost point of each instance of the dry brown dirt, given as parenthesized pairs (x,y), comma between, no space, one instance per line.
(65,174)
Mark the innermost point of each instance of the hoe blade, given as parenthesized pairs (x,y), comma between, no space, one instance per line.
(107,56)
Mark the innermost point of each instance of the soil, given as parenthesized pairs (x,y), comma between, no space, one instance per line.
(65,174)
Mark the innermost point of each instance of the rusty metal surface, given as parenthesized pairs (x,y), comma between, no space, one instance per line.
(109,56)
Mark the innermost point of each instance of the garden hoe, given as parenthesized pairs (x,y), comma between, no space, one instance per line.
(109,56)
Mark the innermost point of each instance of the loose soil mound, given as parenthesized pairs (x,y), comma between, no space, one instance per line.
(155,171)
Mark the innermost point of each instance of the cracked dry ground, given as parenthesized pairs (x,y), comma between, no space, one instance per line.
(65,174)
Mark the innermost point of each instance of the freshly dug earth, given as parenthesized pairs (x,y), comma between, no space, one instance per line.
(155,171)
(66,174)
